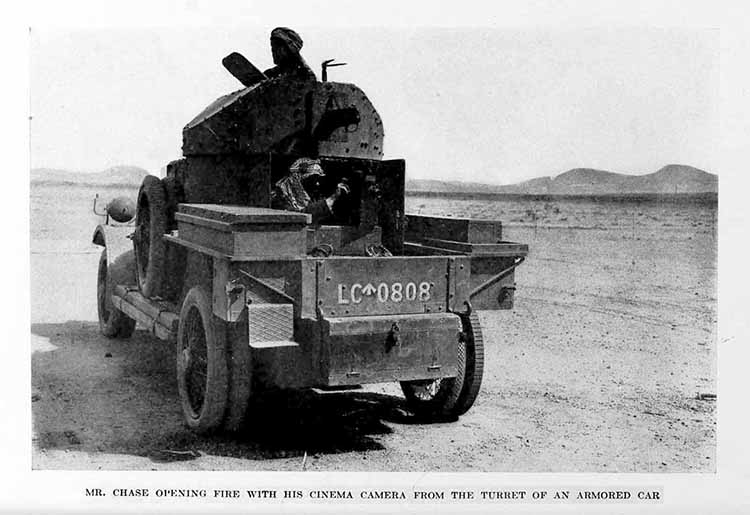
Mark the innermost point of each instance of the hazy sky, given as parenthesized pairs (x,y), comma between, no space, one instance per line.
(490,105)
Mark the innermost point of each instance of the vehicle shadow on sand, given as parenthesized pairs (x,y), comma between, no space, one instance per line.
(100,395)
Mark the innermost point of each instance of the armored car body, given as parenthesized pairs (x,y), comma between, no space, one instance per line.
(256,298)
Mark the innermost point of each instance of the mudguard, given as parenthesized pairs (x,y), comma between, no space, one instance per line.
(120,254)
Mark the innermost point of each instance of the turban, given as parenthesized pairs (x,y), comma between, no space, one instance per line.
(289,37)
(306,167)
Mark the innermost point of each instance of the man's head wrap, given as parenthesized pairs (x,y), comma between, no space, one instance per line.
(306,167)
(290,38)
(290,186)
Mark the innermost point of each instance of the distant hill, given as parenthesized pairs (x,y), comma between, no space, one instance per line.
(114,176)
(578,181)
(587,181)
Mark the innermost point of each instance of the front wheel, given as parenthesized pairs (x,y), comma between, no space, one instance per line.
(202,368)
(113,323)
(452,396)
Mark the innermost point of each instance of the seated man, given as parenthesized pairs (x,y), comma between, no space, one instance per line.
(299,190)
(285,48)
(290,194)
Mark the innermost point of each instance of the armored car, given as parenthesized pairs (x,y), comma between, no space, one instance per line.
(256,297)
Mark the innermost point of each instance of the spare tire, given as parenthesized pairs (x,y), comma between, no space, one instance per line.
(150,226)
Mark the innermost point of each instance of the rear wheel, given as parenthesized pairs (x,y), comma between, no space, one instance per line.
(113,323)
(240,375)
(150,227)
(202,369)
(452,396)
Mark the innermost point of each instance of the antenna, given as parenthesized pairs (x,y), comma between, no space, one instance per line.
(328,63)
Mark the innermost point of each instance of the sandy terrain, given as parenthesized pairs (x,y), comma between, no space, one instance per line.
(596,370)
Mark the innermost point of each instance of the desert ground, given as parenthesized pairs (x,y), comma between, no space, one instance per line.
(601,366)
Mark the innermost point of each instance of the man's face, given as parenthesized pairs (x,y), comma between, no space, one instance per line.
(312,185)
(280,52)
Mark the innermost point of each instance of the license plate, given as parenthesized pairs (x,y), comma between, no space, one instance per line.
(384,292)
(382,286)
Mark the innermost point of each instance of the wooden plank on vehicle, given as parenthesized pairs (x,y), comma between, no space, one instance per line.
(233,214)
(502,248)
(148,312)
(417,249)
(468,230)
(159,330)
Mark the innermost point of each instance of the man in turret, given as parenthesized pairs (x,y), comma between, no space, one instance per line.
(285,48)
(298,191)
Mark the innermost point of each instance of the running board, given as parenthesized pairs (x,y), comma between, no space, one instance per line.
(157,316)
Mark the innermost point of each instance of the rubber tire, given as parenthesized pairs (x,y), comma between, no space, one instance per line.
(176,255)
(454,396)
(207,416)
(150,250)
(175,194)
(240,376)
(113,323)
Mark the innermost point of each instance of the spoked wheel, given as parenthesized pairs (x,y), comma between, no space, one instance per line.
(113,323)
(202,374)
(150,226)
(453,396)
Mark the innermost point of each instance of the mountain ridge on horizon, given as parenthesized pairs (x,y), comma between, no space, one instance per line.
(121,175)
(672,178)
